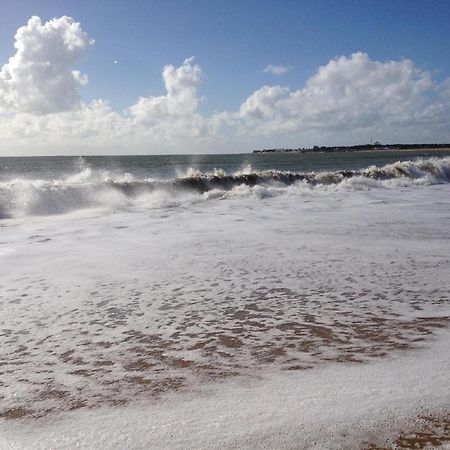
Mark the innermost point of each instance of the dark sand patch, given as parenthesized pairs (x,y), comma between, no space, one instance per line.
(433,432)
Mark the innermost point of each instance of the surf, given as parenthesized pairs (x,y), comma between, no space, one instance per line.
(88,187)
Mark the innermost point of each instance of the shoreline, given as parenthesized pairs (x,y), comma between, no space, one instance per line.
(375,150)
(257,152)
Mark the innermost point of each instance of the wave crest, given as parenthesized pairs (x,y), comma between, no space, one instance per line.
(88,188)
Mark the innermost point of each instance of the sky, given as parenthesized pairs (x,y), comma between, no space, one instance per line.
(197,76)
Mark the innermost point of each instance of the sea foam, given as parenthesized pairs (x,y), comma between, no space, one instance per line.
(88,188)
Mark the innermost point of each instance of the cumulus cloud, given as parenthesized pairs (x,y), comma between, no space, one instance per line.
(275,70)
(348,93)
(345,101)
(181,84)
(38,78)
(173,115)
(156,124)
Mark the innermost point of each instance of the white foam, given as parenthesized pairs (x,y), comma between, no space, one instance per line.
(331,407)
(362,267)
(112,190)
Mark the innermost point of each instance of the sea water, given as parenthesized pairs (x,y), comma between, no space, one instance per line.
(52,185)
(227,301)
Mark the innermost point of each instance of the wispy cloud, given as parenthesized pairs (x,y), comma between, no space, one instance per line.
(275,70)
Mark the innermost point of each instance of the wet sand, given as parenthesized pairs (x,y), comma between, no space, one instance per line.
(431,432)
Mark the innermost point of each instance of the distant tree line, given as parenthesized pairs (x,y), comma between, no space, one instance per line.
(354,148)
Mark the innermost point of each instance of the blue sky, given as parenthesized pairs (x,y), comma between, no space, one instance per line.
(233,41)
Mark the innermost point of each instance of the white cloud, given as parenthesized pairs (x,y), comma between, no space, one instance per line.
(38,79)
(346,101)
(174,115)
(156,124)
(347,94)
(181,99)
(275,70)
(262,103)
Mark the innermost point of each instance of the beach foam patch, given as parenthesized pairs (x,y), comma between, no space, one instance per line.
(334,407)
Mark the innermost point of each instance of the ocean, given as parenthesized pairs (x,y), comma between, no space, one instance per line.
(225,301)
(52,185)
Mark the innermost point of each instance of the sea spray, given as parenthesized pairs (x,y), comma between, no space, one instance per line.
(101,188)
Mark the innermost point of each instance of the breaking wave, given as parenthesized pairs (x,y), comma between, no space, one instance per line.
(88,188)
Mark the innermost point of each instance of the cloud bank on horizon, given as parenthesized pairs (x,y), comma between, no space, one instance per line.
(345,101)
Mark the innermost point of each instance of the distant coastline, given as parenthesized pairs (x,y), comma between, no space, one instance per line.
(356,148)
